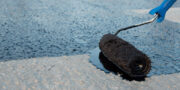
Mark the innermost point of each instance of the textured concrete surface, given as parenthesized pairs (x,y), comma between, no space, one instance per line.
(73,73)
(38,28)
(54,28)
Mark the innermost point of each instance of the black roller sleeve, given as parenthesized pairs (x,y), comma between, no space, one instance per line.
(125,56)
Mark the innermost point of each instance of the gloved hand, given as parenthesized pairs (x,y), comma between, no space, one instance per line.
(162,9)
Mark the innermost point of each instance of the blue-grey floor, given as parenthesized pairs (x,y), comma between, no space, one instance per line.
(41,28)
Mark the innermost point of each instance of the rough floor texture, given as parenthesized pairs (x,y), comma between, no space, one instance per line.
(53,28)
(73,73)
(41,28)
(38,28)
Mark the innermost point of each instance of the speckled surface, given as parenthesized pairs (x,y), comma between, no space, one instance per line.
(38,28)
(73,73)
(53,28)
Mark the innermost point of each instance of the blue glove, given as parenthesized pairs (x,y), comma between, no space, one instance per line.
(162,9)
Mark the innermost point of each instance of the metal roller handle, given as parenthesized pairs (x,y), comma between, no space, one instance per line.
(137,25)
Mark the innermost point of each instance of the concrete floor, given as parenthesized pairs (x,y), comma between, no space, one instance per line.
(61,29)
(73,73)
